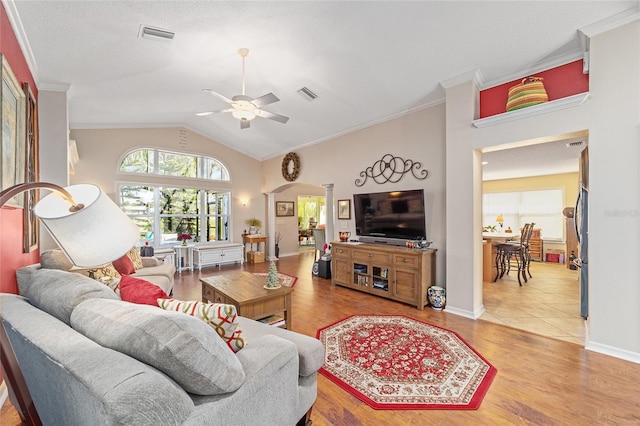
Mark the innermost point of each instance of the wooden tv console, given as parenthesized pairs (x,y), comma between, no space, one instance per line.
(397,273)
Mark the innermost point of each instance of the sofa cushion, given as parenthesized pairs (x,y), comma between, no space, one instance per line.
(55,259)
(58,292)
(223,318)
(183,347)
(124,265)
(137,290)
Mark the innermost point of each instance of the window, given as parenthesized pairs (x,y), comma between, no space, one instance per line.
(543,207)
(203,214)
(167,163)
(162,211)
(311,209)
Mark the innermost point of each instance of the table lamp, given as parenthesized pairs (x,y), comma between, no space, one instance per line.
(500,220)
(91,230)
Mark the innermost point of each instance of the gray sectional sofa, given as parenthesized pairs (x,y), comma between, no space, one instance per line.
(90,358)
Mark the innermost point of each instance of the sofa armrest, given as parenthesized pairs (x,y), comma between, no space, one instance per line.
(269,394)
(148,262)
(310,349)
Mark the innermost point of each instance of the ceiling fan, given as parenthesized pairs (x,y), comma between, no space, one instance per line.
(244,107)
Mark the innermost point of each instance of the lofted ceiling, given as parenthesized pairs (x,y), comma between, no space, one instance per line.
(366,61)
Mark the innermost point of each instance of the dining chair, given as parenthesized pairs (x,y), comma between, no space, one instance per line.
(518,250)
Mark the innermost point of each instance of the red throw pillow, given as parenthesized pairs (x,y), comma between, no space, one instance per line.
(139,291)
(124,265)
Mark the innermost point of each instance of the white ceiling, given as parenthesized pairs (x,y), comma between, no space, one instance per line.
(366,61)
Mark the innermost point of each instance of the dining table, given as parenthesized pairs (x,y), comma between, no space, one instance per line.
(490,240)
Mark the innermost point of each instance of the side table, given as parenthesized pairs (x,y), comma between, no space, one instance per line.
(253,239)
(184,257)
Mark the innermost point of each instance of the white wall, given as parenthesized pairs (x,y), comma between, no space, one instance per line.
(614,192)
(418,136)
(101,150)
(611,117)
(53,135)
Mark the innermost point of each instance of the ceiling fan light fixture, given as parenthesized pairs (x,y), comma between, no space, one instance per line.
(243,114)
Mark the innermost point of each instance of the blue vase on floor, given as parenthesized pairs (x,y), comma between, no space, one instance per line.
(437,297)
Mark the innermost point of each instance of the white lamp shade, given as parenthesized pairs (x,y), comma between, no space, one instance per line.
(98,234)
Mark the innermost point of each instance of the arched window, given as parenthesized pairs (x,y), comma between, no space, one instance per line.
(164,211)
(167,163)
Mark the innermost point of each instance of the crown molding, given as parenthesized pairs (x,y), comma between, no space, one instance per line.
(475,76)
(21,36)
(611,23)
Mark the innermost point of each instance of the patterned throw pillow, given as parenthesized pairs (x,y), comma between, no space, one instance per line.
(108,271)
(223,318)
(134,255)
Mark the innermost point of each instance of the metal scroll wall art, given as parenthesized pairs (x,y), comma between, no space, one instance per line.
(391,169)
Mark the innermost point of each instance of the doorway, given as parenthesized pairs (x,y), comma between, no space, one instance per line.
(312,214)
(549,303)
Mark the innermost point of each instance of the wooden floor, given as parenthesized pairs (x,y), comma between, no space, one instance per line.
(548,304)
(540,380)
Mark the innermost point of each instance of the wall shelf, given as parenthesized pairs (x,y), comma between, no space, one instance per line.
(551,106)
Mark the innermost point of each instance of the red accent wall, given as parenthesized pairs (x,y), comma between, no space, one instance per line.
(11,255)
(560,82)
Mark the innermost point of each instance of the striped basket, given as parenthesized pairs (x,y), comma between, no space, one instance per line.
(529,92)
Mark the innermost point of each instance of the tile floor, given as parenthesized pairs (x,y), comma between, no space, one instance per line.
(549,304)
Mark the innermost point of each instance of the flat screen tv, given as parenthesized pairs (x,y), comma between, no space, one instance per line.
(390,217)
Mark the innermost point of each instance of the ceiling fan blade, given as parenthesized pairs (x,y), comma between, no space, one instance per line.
(203,114)
(267,99)
(214,93)
(273,116)
(245,124)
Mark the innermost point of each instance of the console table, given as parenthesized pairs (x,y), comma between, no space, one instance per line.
(217,255)
(393,272)
(252,239)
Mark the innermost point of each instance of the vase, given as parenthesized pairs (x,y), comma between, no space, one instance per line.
(277,250)
(184,242)
(437,297)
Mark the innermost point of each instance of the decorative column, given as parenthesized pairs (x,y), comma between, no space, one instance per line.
(271,226)
(328,195)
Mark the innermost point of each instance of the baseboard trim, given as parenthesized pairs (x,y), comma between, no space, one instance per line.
(614,352)
(464,313)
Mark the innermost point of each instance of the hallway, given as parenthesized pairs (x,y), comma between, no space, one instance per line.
(548,305)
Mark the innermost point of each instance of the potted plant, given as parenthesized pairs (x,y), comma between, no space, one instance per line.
(254,225)
(184,238)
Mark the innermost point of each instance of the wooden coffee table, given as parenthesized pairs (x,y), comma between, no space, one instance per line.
(246,292)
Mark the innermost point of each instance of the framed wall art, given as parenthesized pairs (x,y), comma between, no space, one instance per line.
(12,149)
(284,208)
(344,209)
(31,229)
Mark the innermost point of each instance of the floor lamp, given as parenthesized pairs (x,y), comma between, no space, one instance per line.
(91,230)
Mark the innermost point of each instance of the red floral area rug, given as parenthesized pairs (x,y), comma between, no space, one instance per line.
(285,280)
(399,363)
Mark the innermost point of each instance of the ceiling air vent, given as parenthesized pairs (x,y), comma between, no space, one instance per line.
(306,93)
(156,33)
